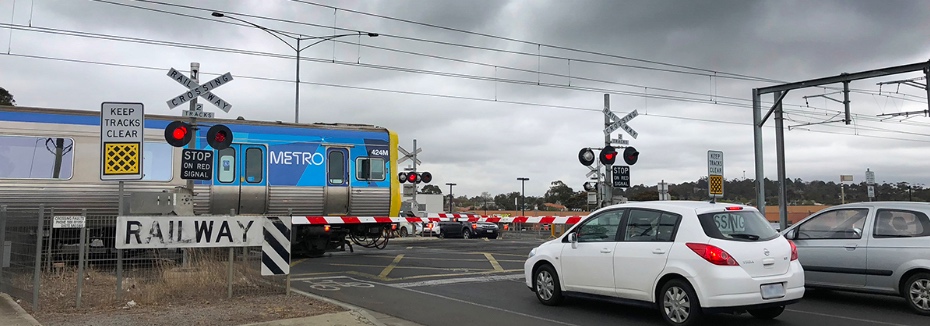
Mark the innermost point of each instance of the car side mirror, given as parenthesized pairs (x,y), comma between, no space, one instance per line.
(573,238)
(791,234)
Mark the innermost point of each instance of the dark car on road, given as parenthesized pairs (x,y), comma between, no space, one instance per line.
(468,230)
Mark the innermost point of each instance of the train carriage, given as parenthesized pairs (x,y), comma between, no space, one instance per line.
(52,157)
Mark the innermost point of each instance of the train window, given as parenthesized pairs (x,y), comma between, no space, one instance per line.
(337,167)
(36,157)
(369,169)
(157,159)
(253,165)
(226,171)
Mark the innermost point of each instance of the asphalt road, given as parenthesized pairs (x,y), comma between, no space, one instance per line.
(478,281)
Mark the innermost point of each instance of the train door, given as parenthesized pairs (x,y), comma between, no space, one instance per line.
(241,180)
(337,181)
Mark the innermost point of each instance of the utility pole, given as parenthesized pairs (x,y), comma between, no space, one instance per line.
(608,183)
(416,207)
(195,71)
(523,194)
(451,199)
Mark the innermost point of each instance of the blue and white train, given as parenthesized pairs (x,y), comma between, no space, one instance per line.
(52,157)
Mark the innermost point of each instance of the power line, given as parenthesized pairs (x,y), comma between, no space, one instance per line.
(456,97)
(715,74)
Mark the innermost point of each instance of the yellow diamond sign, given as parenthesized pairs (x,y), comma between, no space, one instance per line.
(716,185)
(121,158)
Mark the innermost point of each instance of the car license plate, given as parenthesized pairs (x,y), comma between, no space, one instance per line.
(489,231)
(774,290)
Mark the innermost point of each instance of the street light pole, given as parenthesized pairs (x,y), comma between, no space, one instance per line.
(451,198)
(523,194)
(297,49)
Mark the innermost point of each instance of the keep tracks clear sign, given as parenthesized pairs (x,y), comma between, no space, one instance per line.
(121,133)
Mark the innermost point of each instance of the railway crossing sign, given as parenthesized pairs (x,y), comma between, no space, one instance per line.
(197,164)
(715,173)
(195,90)
(121,146)
(620,122)
(621,176)
(409,155)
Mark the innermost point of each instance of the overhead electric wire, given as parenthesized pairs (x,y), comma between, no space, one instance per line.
(690,119)
(716,74)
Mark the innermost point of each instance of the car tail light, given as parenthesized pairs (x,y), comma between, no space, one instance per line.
(734,208)
(474,226)
(794,250)
(713,254)
(326,228)
(393,227)
(429,226)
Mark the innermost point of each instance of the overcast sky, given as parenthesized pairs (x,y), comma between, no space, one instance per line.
(494,90)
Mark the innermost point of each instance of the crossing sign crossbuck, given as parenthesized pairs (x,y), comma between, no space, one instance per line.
(195,90)
(620,122)
(409,155)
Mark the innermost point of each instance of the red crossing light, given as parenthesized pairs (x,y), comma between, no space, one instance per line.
(219,137)
(178,133)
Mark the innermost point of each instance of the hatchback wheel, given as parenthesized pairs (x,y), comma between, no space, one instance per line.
(917,293)
(679,304)
(548,290)
(767,313)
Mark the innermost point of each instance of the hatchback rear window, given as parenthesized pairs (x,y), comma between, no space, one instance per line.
(737,226)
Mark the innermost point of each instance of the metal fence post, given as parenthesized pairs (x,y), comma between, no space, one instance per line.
(37,271)
(232,259)
(81,260)
(51,235)
(3,255)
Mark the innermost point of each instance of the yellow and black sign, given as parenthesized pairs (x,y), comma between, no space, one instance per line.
(716,185)
(121,158)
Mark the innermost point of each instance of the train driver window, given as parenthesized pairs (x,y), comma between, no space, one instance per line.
(226,171)
(36,157)
(369,169)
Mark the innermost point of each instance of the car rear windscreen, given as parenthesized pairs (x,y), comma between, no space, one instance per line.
(737,226)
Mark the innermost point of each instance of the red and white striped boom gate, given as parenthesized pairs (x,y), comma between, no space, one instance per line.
(329,220)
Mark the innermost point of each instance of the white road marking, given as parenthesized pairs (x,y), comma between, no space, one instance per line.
(458,280)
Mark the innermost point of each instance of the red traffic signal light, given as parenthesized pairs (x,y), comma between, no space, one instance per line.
(219,137)
(178,133)
(630,155)
(426,177)
(608,155)
(586,156)
(413,177)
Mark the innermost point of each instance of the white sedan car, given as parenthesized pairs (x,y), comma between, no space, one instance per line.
(685,258)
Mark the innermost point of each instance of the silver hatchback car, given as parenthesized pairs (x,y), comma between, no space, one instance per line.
(872,247)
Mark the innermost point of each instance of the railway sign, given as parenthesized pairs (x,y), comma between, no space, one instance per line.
(409,155)
(715,173)
(121,146)
(621,176)
(67,222)
(871,191)
(869,177)
(620,122)
(195,90)
(196,164)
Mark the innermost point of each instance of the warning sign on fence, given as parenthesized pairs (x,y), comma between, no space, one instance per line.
(147,232)
(63,222)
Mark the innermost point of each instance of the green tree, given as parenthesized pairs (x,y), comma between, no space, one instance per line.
(559,193)
(6,98)
(431,189)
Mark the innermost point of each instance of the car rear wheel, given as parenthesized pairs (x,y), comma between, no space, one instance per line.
(917,293)
(767,313)
(403,232)
(466,234)
(547,286)
(679,304)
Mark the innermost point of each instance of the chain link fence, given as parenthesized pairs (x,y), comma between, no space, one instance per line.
(59,267)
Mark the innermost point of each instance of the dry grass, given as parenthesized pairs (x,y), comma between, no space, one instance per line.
(166,284)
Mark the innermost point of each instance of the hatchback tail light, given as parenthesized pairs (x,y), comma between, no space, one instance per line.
(474,226)
(713,254)
(794,250)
